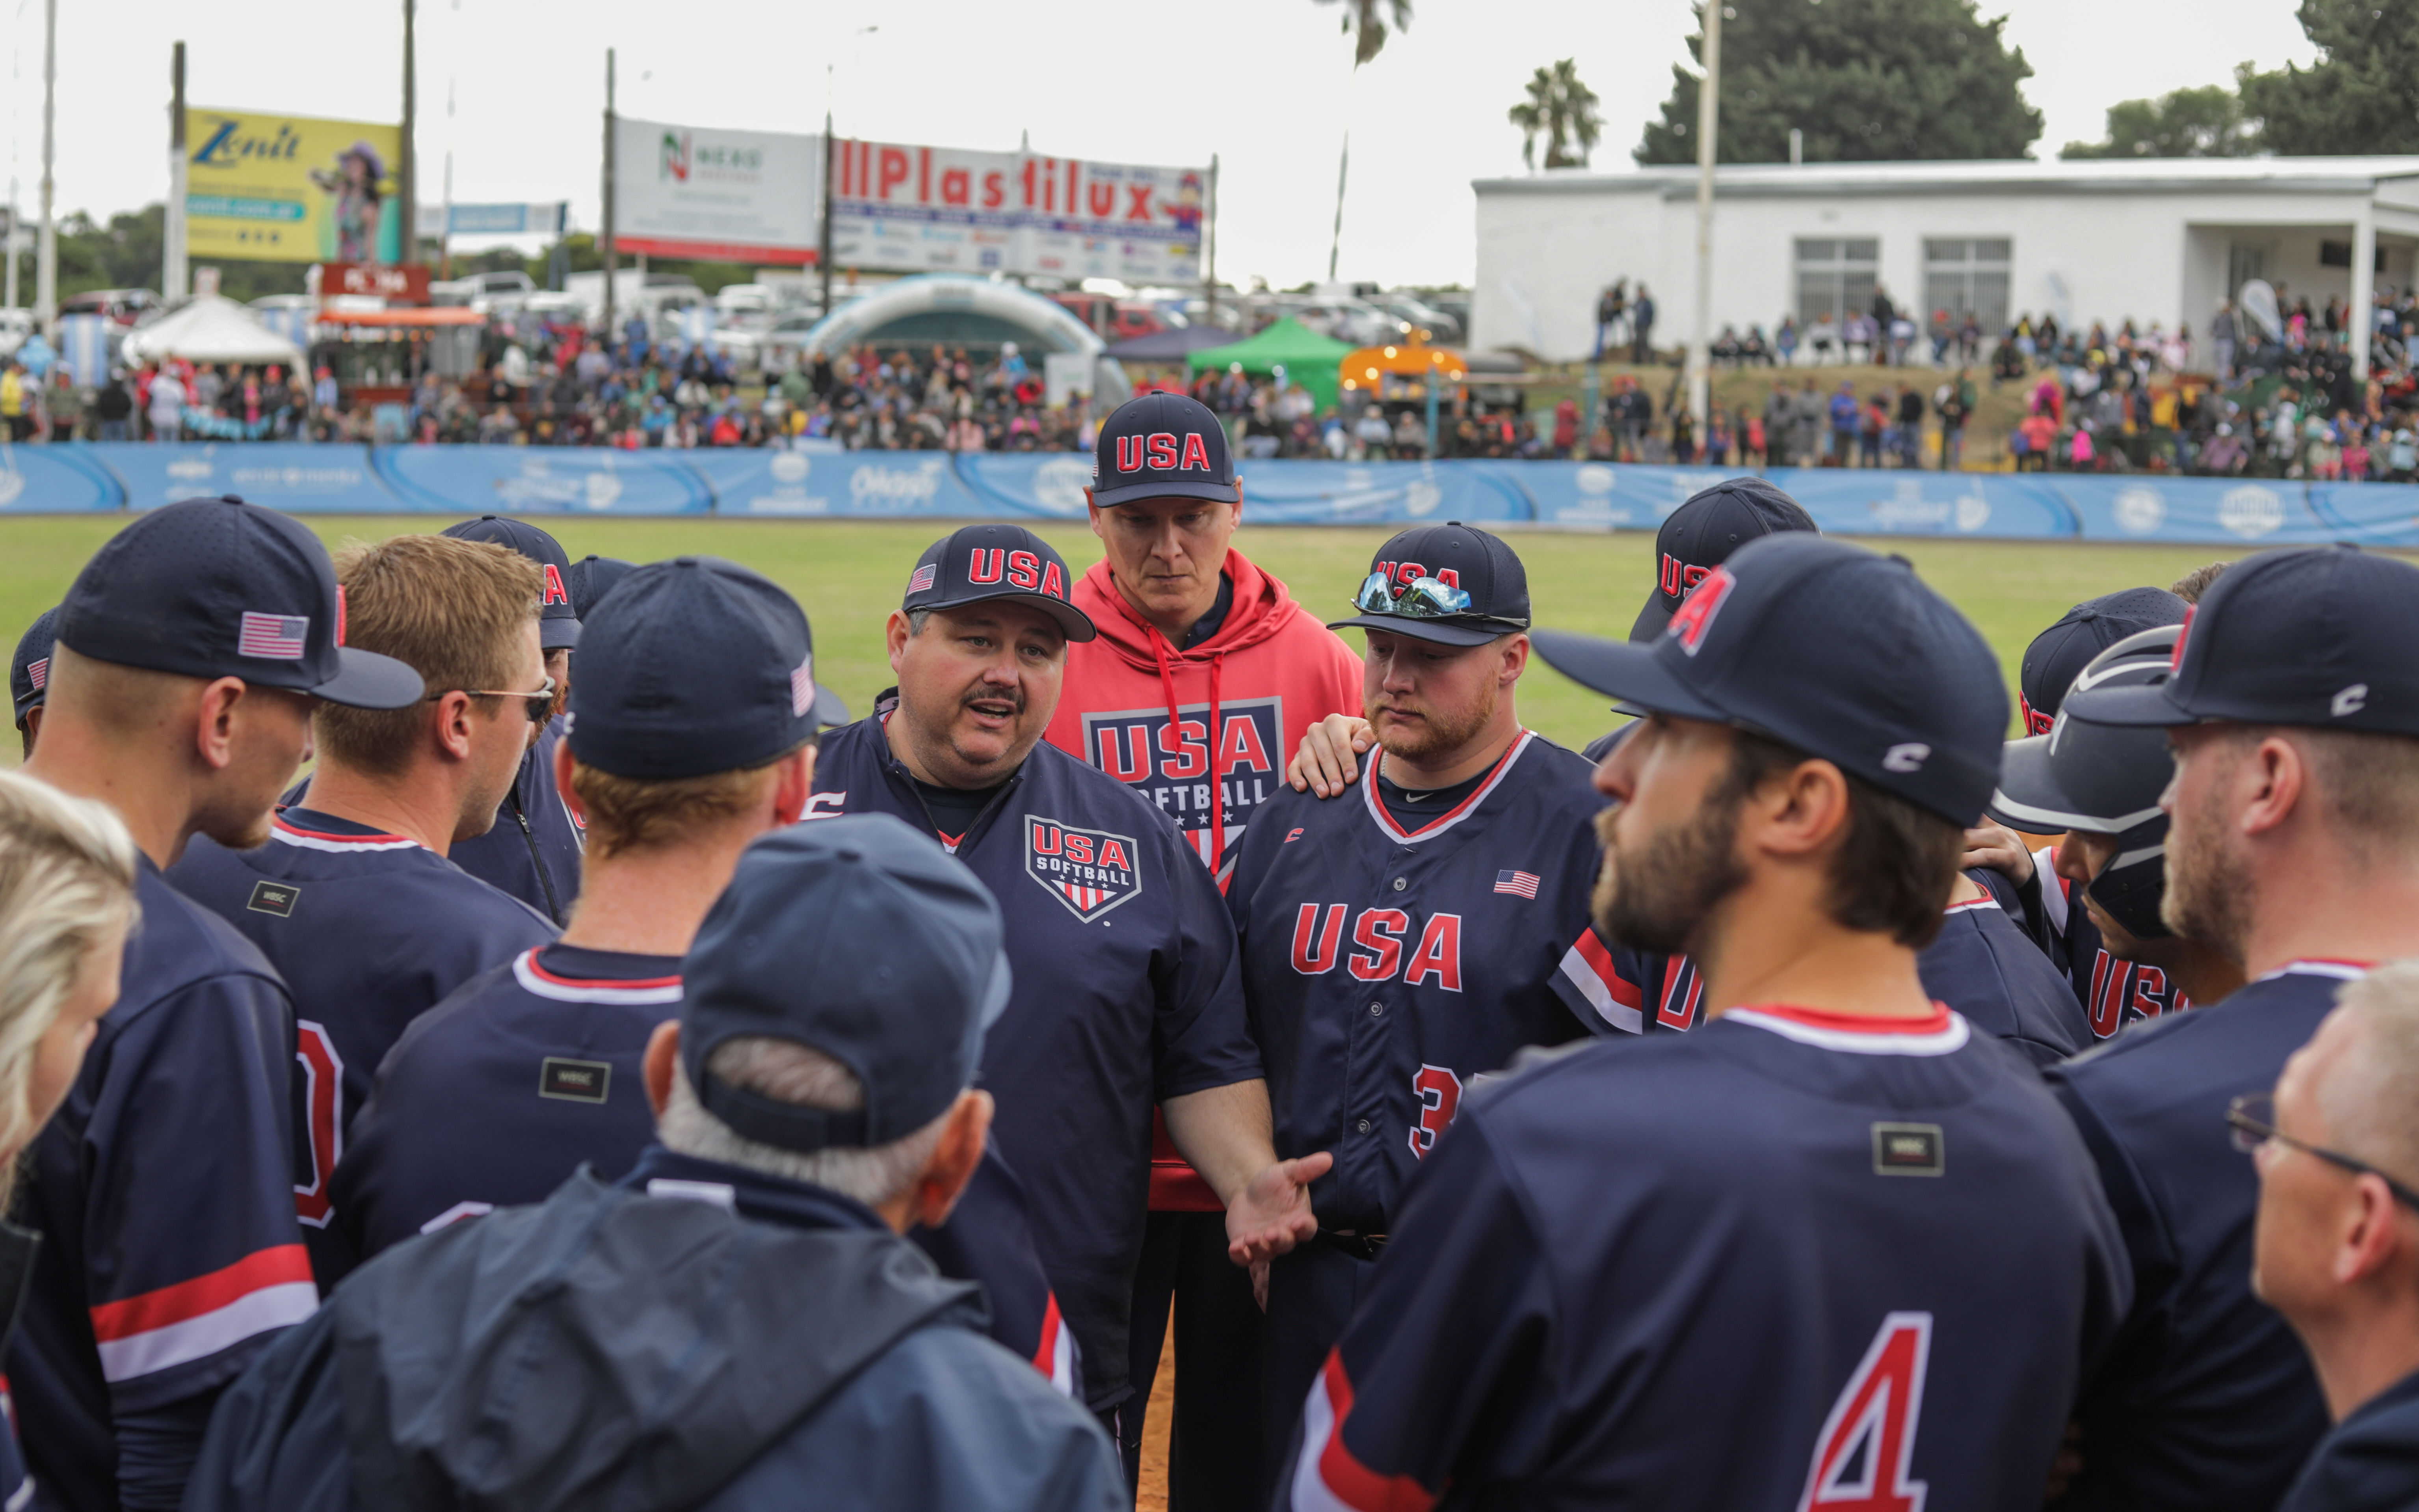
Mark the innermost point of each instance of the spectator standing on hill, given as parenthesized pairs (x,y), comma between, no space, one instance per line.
(1954,402)
(1845,417)
(1779,420)
(1910,426)
(1642,327)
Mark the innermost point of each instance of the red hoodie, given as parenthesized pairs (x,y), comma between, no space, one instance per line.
(1143,711)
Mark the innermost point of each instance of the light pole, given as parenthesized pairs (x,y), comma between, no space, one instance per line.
(1709,109)
(46,257)
(171,240)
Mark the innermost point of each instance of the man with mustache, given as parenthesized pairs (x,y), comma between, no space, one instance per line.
(2293,713)
(1834,1217)
(1401,942)
(1126,990)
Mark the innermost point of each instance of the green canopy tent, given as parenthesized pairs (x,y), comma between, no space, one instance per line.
(1308,358)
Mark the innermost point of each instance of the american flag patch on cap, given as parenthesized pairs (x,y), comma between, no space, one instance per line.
(1518,884)
(272,636)
(924,576)
(38,673)
(802,687)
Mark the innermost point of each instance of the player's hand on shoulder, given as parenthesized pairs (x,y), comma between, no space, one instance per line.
(1995,847)
(1328,760)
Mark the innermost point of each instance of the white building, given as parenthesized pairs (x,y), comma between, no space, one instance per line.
(2150,240)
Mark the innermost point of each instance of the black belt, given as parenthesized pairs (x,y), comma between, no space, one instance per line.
(1360,1246)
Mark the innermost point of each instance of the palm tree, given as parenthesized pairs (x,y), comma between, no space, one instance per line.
(1562,111)
(1363,17)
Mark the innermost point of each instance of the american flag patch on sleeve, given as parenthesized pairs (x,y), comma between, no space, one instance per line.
(272,636)
(1518,884)
(924,576)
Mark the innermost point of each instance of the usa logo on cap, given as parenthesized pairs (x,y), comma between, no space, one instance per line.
(1695,615)
(1091,870)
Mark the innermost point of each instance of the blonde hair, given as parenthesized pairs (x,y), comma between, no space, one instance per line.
(450,610)
(67,883)
(629,813)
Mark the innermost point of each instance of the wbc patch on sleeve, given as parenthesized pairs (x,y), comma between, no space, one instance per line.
(1908,1149)
(575,1080)
(1091,870)
(276,898)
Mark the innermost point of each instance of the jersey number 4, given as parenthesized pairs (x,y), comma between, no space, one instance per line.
(1863,1458)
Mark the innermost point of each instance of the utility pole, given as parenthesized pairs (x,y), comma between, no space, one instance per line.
(1343,167)
(1709,109)
(1209,246)
(46,257)
(172,229)
(408,167)
(612,263)
(824,250)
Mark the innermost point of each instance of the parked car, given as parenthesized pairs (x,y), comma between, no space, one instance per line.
(1117,319)
(1445,328)
(123,306)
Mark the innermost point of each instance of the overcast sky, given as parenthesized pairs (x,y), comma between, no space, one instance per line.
(1267,85)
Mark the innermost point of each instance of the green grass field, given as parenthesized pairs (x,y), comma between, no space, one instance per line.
(850,575)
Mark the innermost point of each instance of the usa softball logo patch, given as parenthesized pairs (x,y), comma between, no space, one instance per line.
(1091,870)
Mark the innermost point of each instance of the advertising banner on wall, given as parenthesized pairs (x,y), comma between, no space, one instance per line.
(291,189)
(724,196)
(933,210)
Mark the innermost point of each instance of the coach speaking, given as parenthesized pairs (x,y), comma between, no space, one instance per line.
(1126,988)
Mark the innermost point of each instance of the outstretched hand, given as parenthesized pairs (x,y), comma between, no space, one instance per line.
(1327,759)
(1272,1214)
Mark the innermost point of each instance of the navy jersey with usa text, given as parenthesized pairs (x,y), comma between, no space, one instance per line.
(369,930)
(2113,992)
(1127,993)
(534,850)
(1387,968)
(2208,1401)
(164,1191)
(529,1071)
(1793,1260)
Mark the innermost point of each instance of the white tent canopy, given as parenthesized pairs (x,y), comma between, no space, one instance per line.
(211,328)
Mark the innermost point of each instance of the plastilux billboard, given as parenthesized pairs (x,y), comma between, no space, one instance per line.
(290,189)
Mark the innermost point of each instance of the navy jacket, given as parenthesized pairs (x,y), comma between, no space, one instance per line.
(1985,968)
(1126,993)
(2370,1462)
(696,1336)
(2207,1402)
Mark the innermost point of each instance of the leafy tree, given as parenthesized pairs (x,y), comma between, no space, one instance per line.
(1865,80)
(1562,111)
(2205,122)
(1367,21)
(2361,96)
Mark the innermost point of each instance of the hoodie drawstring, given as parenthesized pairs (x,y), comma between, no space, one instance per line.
(1159,649)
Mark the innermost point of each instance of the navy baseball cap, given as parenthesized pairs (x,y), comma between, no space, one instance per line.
(558,620)
(590,577)
(2323,637)
(1471,561)
(29,671)
(861,937)
(220,587)
(1827,648)
(1163,447)
(1700,534)
(2059,654)
(980,563)
(696,665)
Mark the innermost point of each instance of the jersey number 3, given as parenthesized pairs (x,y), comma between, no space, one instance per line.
(1867,1447)
(1439,1093)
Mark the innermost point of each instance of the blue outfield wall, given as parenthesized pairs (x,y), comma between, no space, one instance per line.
(822,481)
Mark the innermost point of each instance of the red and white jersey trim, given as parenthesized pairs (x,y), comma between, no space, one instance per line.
(1327,1478)
(1451,816)
(1587,966)
(535,980)
(1940,1032)
(2340,970)
(266,1291)
(1975,904)
(1056,1358)
(315,839)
